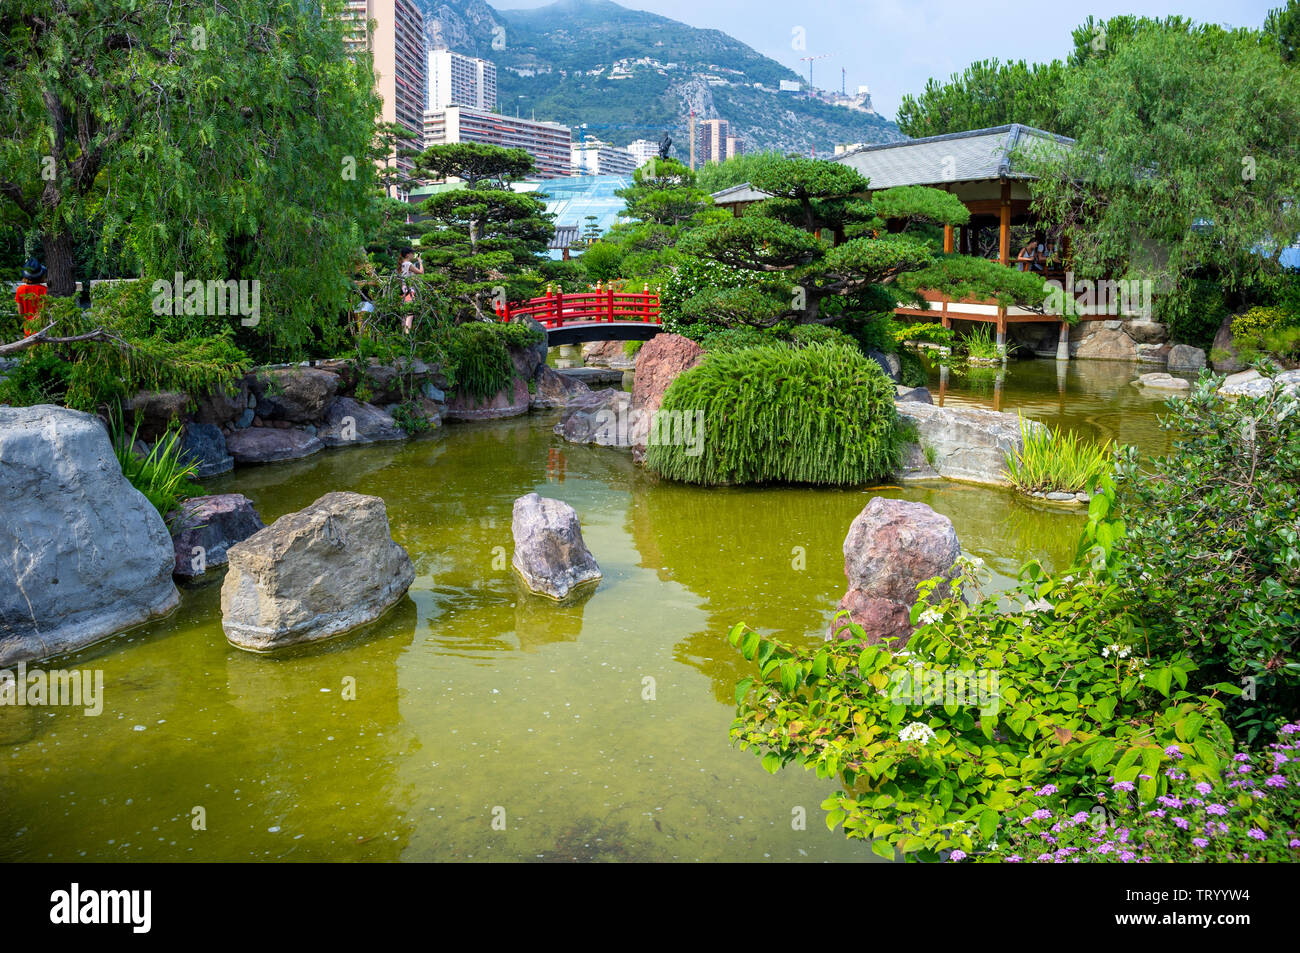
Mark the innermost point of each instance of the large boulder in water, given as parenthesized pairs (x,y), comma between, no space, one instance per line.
(549,551)
(349,422)
(891,546)
(510,401)
(552,389)
(313,574)
(968,443)
(83,554)
(271,445)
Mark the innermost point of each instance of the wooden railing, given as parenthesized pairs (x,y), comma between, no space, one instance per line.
(555,310)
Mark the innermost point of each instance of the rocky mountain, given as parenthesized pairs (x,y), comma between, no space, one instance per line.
(630,75)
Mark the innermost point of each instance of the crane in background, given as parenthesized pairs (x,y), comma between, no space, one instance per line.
(819,56)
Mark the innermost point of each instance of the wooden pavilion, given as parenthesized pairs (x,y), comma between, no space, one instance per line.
(980,168)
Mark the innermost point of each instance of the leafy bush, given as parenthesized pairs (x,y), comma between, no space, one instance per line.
(161,475)
(1212,551)
(934,747)
(1264,331)
(1246,814)
(817,414)
(602,261)
(689,278)
(88,375)
(924,333)
(715,339)
(964,276)
(1049,460)
(1193,312)
(477,352)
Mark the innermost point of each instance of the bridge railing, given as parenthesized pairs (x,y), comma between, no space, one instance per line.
(555,310)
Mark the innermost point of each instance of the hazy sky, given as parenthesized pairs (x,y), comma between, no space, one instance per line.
(894,46)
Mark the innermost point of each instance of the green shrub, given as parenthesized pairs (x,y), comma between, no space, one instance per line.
(934,749)
(924,333)
(1050,460)
(632,348)
(602,261)
(41,377)
(820,414)
(715,339)
(688,279)
(1193,312)
(1212,551)
(161,475)
(477,352)
(1265,331)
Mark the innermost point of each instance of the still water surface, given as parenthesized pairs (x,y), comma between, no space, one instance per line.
(475,700)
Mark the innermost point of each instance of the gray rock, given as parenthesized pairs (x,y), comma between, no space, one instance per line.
(313,574)
(917,394)
(605,418)
(510,401)
(1088,340)
(1184,357)
(970,444)
(891,546)
(245,419)
(889,363)
(549,552)
(207,526)
(1146,332)
(1060,496)
(296,394)
(154,412)
(349,422)
(552,389)
(592,375)
(915,467)
(1162,382)
(1243,385)
(205,445)
(1223,351)
(221,408)
(433,392)
(83,555)
(271,445)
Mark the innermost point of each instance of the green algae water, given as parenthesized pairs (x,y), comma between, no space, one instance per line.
(477,721)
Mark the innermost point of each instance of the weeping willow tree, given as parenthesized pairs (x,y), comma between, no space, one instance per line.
(821,414)
(233,141)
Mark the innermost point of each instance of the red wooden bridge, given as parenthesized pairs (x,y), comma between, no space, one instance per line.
(591,316)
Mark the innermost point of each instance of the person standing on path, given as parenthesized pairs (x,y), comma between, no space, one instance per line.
(30,295)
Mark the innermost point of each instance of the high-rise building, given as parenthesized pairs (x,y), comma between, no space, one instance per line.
(548,143)
(392,31)
(643,150)
(458,80)
(714,142)
(595,157)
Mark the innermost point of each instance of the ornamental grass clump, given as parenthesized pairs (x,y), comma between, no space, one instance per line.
(1246,813)
(164,475)
(1050,460)
(821,414)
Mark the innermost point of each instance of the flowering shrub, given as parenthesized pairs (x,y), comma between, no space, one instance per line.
(1075,698)
(1248,813)
(1210,556)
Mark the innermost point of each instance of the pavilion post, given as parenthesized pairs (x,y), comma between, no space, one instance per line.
(1004,225)
(947,239)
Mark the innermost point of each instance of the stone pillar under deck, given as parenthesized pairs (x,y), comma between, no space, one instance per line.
(1063,342)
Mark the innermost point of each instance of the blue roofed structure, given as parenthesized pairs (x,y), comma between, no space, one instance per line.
(572,198)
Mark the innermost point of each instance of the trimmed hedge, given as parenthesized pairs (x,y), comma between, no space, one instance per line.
(821,414)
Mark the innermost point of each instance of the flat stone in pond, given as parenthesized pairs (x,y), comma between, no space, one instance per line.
(349,422)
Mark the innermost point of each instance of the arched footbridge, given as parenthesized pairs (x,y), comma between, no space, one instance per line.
(591,316)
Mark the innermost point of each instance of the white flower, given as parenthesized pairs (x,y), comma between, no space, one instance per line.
(930,616)
(917,731)
(1038,605)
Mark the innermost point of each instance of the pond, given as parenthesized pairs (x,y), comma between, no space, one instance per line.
(476,721)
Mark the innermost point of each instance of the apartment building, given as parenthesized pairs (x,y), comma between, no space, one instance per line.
(549,143)
(715,143)
(392,32)
(458,80)
(595,157)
